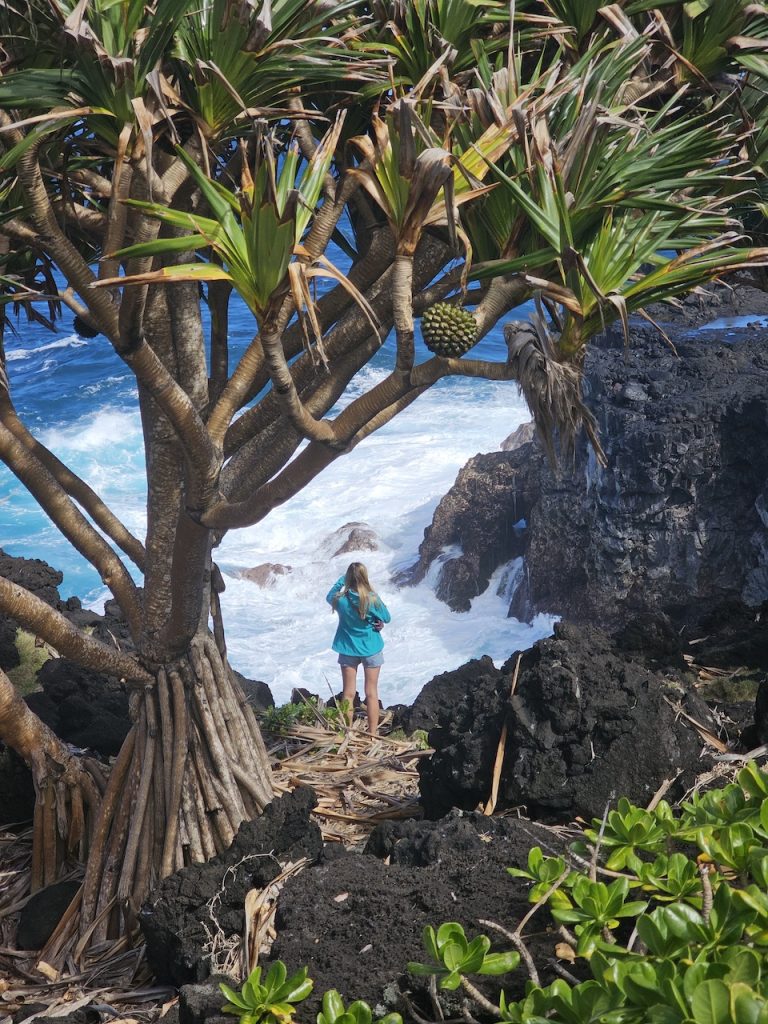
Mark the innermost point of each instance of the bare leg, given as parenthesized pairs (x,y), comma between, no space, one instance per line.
(349,683)
(372,697)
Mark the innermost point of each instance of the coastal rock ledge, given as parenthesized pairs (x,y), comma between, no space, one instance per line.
(678,519)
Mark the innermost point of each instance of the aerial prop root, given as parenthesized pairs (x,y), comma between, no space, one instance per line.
(191,770)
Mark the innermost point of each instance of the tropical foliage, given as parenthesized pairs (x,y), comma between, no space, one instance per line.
(341,168)
(671,937)
(275,1000)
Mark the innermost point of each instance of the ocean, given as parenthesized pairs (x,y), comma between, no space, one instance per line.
(79,398)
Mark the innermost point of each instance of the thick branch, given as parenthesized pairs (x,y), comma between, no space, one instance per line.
(57,504)
(218,303)
(96,183)
(285,390)
(117,216)
(53,239)
(236,389)
(385,415)
(304,468)
(70,642)
(203,458)
(504,293)
(328,216)
(434,369)
(24,732)
(402,308)
(21,232)
(89,220)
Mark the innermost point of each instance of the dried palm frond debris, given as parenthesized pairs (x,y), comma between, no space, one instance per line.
(360,780)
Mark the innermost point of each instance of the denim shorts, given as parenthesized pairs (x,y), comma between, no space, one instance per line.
(371,661)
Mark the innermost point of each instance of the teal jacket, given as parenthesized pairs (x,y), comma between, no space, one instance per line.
(355,636)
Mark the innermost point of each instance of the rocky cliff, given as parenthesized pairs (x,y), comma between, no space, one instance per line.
(677,520)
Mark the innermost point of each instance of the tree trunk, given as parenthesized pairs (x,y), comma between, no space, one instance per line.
(193,767)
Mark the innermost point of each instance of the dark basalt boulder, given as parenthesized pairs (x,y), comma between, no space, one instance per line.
(651,639)
(460,835)
(357,921)
(445,695)
(738,298)
(17,791)
(85,708)
(42,913)
(9,654)
(40,579)
(586,724)
(485,514)
(190,907)
(732,634)
(676,522)
(34,575)
(111,627)
(258,693)
(90,710)
(203,1002)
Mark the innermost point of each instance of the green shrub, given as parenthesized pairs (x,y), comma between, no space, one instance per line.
(693,950)
(310,712)
(274,1001)
(32,657)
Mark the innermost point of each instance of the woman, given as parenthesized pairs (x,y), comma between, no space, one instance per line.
(361,613)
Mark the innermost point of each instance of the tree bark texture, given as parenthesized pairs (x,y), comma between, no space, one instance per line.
(191,770)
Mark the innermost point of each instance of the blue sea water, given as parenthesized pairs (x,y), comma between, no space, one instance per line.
(80,399)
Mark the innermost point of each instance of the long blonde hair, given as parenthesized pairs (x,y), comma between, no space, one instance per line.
(356,578)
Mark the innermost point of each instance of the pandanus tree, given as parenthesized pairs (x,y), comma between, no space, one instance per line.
(465,155)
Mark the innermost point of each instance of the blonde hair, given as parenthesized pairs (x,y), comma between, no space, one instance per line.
(356,578)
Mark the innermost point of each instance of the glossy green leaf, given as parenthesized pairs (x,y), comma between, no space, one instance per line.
(710,1003)
(500,963)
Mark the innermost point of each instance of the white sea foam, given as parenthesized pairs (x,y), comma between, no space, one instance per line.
(392,483)
(724,323)
(101,432)
(106,449)
(71,341)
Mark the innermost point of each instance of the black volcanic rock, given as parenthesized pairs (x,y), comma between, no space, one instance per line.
(180,917)
(676,523)
(484,514)
(40,579)
(356,921)
(87,709)
(258,693)
(586,724)
(34,575)
(444,694)
(42,913)
(9,654)
(17,791)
